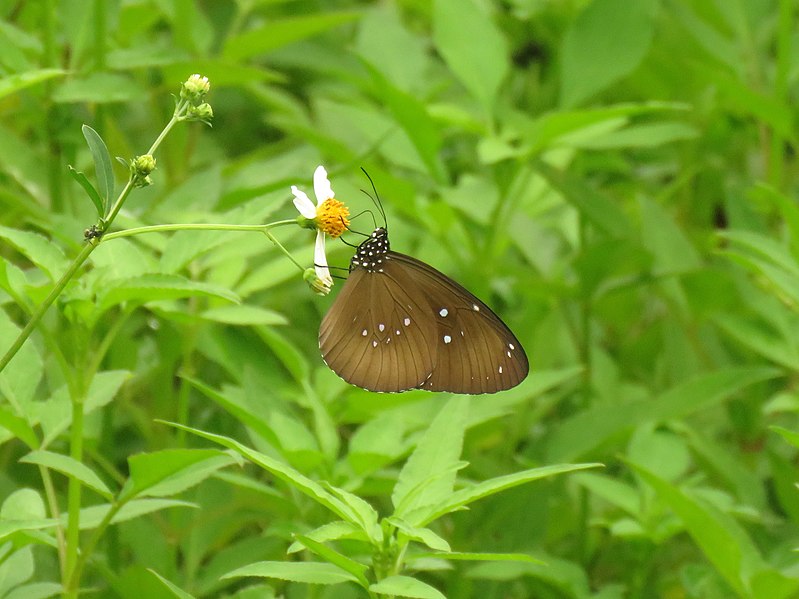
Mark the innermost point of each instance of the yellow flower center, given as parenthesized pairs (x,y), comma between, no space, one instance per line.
(331,217)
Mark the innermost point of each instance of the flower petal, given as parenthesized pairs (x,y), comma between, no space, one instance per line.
(303,203)
(320,260)
(321,185)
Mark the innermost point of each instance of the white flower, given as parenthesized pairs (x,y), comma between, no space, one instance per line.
(329,215)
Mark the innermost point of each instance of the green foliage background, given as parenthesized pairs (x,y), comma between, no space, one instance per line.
(617,179)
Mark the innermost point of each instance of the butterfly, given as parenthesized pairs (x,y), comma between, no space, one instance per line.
(400,324)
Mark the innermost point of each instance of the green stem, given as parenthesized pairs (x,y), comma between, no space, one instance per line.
(74,497)
(80,564)
(195,227)
(42,308)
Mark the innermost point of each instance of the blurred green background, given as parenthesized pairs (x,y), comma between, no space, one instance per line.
(615,178)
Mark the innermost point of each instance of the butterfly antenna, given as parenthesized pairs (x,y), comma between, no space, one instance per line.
(367,211)
(376,198)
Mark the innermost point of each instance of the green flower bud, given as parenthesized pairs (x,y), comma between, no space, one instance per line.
(140,168)
(203,113)
(316,284)
(195,88)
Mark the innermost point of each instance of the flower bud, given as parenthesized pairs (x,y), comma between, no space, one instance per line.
(316,284)
(195,88)
(140,168)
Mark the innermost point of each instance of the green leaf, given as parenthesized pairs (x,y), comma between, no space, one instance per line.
(405,586)
(463,497)
(244,315)
(36,590)
(331,531)
(282,471)
(16,82)
(412,116)
(790,436)
(148,470)
(98,202)
(420,534)
(334,557)
(91,517)
(102,165)
(723,544)
(176,591)
(38,249)
(428,476)
(474,48)
(591,428)
(276,33)
(591,58)
(18,427)
(308,572)
(481,557)
(156,287)
(69,466)
(666,240)
(98,88)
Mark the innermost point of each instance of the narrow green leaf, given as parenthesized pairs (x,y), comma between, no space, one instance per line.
(463,497)
(10,527)
(38,249)
(331,531)
(367,515)
(149,469)
(276,33)
(36,590)
(98,202)
(591,59)
(244,315)
(16,82)
(724,545)
(481,557)
(102,165)
(431,463)
(91,517)
(156,287)
(405,586)
(308,572)
(592,427)
(176,590)
(334,557)
(790,436)
(480,65)
(18,427)
(420,534)
(282,471)
(99,88)
(69,466)
(412,116)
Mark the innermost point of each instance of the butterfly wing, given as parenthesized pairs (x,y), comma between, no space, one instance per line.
(378,335)
(474,351)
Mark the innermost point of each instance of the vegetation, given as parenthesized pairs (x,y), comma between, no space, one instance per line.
(615,178)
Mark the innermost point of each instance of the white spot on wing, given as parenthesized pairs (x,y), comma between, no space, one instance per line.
(382,328)
(475,307)
(510,345)
(407,321)
(374,343)
(500,370)
(447,338)
(363,332)
(443,312)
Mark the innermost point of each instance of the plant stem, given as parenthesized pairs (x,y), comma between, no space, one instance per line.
(73,497)
(42,308)
(195,227)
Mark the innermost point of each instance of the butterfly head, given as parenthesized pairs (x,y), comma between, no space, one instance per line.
(372,252)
